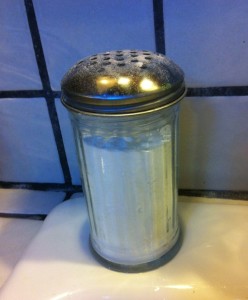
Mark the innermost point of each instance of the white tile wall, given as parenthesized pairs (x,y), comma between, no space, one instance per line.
(69,142)
(27,146)
(214,143)
(71,30)
(18,69)
(209,40)
(28,201)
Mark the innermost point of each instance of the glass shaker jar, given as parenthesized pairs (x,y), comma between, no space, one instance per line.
(124,111)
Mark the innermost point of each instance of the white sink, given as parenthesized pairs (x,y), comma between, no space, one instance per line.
(212,263)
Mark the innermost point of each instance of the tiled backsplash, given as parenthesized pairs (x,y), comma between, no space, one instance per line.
(41,39)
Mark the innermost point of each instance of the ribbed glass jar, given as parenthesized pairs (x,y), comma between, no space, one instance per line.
(129,171)
(124,110)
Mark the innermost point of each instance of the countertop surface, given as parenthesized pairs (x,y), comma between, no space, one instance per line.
(212,263)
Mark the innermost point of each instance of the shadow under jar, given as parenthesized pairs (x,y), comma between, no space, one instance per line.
(124,111)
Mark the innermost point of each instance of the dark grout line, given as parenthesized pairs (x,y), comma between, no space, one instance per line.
(38,217)
(158,17)
(22,94)
(221,194)
(218,91)
(38,49)
(48,94)
(57,94)
(58,138)
(37,186)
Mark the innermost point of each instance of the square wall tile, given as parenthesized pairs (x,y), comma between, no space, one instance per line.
(208,39)
(73,30)
(214,143)
(27,145)
(18,68)
(28,201)
(68,138)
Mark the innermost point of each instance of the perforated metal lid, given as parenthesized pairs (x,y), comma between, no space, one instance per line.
(124,81)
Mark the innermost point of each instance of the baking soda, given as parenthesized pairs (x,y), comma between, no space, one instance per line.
(130,196)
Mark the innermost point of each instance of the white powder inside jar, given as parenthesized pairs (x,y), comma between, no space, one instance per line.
(130,191)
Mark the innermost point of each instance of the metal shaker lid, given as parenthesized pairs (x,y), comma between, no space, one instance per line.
(122,82)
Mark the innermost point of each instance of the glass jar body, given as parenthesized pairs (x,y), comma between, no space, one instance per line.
(128,165)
